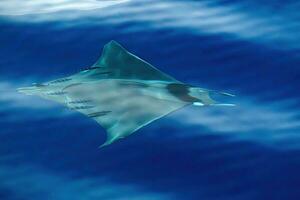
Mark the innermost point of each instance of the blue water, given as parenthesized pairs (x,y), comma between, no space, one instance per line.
(251,151)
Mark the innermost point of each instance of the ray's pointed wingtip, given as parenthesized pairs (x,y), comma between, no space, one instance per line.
(110,140)
(104,145)
(113,43)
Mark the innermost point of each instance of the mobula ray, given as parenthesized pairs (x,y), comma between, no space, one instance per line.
(122,92)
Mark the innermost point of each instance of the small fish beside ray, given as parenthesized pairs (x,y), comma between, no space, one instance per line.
(122,92)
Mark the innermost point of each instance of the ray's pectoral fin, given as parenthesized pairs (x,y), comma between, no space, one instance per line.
(124,65)
(121,110)
(130,117)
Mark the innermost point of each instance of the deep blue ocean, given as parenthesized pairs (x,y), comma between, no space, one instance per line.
(250,48)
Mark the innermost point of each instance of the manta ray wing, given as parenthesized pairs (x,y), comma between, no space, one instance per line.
(121,64)
(121,107)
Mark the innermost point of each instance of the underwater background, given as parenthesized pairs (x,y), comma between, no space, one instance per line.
(246,47)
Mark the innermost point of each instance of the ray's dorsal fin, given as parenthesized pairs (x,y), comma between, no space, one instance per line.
(124,65)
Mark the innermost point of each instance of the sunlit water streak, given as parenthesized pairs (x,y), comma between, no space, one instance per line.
(17,7)
(237,19)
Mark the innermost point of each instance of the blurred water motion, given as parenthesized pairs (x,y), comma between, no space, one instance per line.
(248,48)
(17,7)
